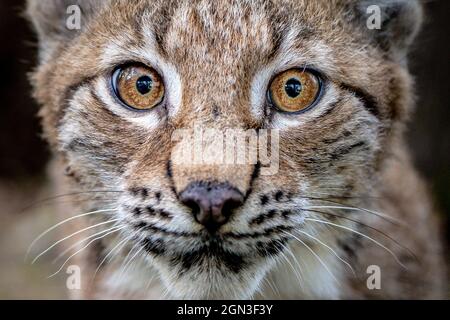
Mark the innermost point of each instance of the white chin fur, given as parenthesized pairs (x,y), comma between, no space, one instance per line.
(214,284)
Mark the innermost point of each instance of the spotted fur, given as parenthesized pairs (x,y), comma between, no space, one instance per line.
(217,59)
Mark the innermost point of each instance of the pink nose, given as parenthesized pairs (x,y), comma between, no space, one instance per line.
(211,203)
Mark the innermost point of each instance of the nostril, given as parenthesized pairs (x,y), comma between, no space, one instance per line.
(195,209)
(211,204)
(233,202)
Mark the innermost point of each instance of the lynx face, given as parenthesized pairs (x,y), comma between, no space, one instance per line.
(116,92)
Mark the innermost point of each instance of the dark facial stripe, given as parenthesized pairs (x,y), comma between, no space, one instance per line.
(271,248)
(369,101)
(149,227)
(155,247)
(264,233)
(260,219)
(342,135)
(210,252)
(68,96)
(254,176)
(342,151)
(169,174)
(161,24)
(330,109)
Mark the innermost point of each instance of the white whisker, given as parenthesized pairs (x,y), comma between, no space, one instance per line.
(70,236)
(329,248)
(149,283)
(165,294)
(361,234)
(273,287)
(289,250)
(79,242)
(384,234)
(297,275)
(60,223)
(121,244)
(129,254)
(93,240)
(116,247)
(379,214)
(127,257)
(315,254)
(131,259)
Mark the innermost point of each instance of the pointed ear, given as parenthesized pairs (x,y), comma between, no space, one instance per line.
(393,24)
(58,21)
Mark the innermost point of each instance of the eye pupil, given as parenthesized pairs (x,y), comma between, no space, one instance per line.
(144,85)
(293,87)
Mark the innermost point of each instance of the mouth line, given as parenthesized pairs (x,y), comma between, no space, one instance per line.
(214,251)
(276,230)
(215,254)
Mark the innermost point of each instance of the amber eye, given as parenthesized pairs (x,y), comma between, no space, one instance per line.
(294,90)
(138,86)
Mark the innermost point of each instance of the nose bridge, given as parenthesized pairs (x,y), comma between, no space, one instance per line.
(211,148)
(199,159)
(214,103)
(215,85)
(215,99)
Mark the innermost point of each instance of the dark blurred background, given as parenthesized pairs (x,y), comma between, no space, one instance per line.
(24,155)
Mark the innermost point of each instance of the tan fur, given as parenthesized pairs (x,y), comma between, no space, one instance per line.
(220,56)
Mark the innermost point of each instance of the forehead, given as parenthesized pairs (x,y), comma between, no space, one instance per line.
(224,32)
(221,48)
(218,33)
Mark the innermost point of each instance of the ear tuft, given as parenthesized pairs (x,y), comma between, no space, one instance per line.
(53,20)
(400,21)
